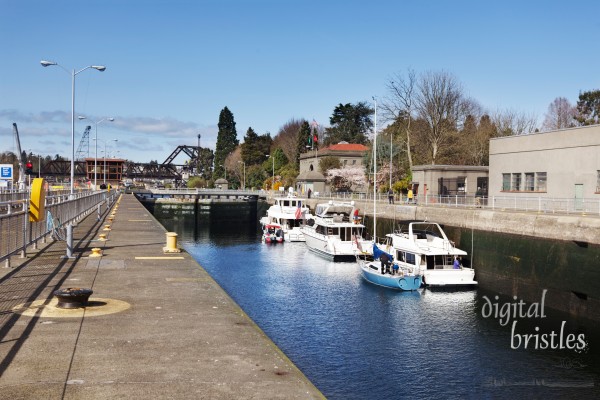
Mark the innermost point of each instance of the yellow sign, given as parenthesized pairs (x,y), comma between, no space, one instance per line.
(37,201)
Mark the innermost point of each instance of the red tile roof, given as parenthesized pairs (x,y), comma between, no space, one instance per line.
(347,147)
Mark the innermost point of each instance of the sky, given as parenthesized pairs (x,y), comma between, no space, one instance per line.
(173,65)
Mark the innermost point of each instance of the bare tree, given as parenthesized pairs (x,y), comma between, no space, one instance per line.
(510,122)
(398,104)
(439,102)
(234,164)
(287,138)
(560,115)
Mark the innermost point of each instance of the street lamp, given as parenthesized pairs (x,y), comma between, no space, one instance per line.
(244,187)
(96,145)
(73,73)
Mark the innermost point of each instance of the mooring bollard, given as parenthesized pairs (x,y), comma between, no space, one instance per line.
(103,237)
(171,243)
(96,252)
(73,297)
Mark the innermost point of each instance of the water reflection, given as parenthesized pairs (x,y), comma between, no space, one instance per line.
(355,340)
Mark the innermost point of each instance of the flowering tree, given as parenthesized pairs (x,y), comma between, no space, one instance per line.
(346,177)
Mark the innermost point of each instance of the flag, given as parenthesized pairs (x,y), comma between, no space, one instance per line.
(298,214)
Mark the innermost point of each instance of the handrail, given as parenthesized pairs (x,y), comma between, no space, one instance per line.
(18,233)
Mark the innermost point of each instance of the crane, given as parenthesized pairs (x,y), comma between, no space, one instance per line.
(20,159)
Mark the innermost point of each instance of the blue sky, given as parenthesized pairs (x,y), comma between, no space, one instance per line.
(173,65)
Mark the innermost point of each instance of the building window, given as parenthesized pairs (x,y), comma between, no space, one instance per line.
(516,182)
(505,182)
(540,181)
(354,163)
(529,181)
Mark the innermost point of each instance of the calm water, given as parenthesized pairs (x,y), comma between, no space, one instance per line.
(357,341)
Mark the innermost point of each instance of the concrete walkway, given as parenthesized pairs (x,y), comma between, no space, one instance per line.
(157,326)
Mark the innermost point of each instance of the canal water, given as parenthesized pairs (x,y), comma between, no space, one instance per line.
(354,340)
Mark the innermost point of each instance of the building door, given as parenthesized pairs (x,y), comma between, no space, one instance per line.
(578,196)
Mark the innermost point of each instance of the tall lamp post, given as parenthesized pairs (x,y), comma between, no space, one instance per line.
(73,74)
(96,145)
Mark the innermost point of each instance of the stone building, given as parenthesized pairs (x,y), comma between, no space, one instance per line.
(311,177)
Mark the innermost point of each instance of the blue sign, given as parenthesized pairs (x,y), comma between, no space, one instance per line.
(6,171)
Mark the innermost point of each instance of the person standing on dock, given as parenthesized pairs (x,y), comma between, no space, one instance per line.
(391,196)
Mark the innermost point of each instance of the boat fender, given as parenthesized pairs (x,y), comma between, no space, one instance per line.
(310,222)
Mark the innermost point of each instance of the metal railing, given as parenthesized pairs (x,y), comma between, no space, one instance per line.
(548,205)
(17,233)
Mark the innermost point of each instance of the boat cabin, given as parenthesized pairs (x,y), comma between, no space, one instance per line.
(345,233)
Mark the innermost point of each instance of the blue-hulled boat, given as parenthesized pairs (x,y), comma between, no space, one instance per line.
(383,271)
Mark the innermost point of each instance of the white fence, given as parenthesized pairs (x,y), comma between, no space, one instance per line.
(581,206)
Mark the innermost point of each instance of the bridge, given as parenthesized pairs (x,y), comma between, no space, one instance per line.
(165,170)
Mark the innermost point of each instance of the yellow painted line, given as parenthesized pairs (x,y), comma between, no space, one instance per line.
(160,258)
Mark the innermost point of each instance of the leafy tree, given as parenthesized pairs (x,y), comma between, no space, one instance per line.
(227,141)
(255,147)
(350,123)
(588,108)
(197,182)
(205,163)
(255,176)
(288,174)
(329,162)
(302,141)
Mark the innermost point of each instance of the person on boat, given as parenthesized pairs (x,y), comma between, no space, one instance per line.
(355,216)
(456,263)
(309,192)
(385,263)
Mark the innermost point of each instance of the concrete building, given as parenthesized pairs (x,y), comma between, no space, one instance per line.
(449,180)
(557,164)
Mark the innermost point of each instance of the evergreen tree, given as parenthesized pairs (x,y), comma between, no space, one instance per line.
(227,141)
(255,147)
(588,108)
(350,123)
(303,140)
